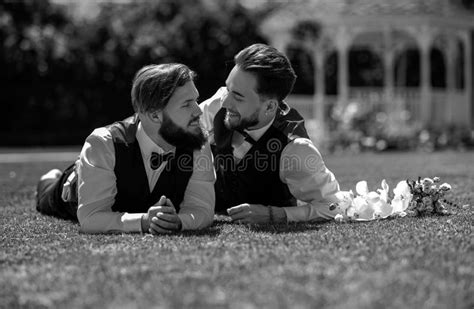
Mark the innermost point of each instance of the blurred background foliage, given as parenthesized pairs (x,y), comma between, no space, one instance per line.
(356,128)
(64,75)
(67,67)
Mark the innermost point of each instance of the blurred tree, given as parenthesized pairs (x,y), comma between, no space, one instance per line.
(302,63)
(305,36)
(202,34)
(34,55)
(64,76)
(468,4)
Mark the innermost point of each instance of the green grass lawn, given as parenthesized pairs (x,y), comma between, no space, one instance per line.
(406,262)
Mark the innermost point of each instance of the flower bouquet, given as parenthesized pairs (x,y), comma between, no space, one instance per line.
(416,197)
(427,196)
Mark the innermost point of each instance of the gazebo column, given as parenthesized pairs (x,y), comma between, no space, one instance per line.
(425,44)
(450,103)
(468,79)
(320,86)
(342,45)
(388,57)
(389,83)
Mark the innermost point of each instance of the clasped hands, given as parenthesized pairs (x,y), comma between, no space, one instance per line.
(161,218)
(256,214)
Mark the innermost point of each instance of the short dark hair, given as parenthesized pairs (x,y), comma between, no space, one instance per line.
(153,85)
(274,73)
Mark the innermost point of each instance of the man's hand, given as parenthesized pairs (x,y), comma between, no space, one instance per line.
(165,221)
(255,214)
(161,218)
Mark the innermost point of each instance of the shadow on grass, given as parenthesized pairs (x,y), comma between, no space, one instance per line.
(210,231)
(288,228)
(280,228)
(221,222)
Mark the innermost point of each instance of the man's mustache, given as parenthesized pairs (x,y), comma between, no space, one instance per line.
(232,112)
(194,119)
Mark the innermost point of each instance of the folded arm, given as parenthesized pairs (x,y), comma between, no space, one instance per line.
(309,181)
(197,208)
(97,188)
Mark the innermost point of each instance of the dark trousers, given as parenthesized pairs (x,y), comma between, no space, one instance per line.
(49,201)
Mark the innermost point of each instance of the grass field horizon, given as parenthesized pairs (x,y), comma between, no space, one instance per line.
(411,262)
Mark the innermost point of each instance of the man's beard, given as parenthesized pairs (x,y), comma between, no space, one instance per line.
(243,123)
(180,138)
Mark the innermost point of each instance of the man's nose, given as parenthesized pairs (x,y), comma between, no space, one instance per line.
(226,101)
(197,110)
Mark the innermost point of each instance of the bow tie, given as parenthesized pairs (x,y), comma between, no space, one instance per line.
(157,159)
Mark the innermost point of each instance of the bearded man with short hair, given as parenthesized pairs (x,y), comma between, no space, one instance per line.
(152,172)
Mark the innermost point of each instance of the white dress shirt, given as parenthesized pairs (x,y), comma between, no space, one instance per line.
(97,186)
(301,166)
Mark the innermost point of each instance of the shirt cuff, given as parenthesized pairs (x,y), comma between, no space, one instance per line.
(309,212)
(293,214)
(186,221)
(132,222)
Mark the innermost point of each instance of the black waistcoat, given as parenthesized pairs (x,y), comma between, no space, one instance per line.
(133,192)
(256,178)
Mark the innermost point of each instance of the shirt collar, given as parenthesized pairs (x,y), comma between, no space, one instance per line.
(147,145)
(257,133)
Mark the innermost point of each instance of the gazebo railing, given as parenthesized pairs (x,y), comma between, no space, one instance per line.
(408,99)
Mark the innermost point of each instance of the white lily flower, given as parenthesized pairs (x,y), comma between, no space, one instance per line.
(370,205)
(361,188)
(345,199)
(402,198)
(363,208)
(351,212)
(383,208)
(384,191)
(367,204)
(386,209)
(445,187)
(372,197)
(402,188)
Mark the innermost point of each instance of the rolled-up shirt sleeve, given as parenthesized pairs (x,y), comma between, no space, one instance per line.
(197,207)
(97,188)
(309,180)
(209,109)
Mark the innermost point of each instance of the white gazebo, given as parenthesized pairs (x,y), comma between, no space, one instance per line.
(387,28)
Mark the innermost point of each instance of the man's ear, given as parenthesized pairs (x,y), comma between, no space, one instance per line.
(271,106)
(155,116)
